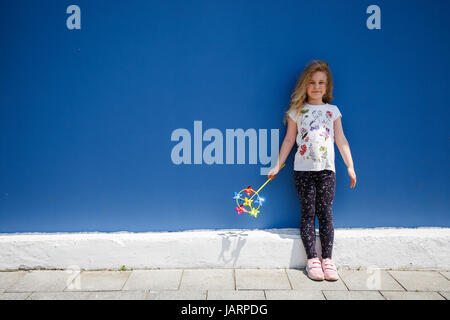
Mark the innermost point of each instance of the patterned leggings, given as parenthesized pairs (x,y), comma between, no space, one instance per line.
(316,193)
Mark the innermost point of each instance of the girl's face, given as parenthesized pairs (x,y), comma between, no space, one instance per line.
(317,86)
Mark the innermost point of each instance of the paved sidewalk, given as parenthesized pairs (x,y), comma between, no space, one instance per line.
(220,284)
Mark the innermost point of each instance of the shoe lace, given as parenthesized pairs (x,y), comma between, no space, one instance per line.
(314,264)
(328,265)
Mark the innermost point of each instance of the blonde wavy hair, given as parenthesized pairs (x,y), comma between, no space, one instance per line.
(300,95)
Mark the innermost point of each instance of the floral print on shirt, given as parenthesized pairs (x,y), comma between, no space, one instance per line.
(315,130)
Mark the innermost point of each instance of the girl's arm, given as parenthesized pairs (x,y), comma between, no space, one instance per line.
(344,149)
(286,147)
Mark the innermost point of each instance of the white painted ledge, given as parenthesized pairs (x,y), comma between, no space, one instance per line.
(384,248)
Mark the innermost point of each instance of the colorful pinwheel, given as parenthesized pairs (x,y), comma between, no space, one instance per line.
(248,205)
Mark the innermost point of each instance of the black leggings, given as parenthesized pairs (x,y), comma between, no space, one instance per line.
(316,193)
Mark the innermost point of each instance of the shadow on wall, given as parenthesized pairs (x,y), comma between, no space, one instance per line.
(232,244)
(234,241)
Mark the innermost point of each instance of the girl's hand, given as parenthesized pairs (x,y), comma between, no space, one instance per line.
(273,172)
(352,174)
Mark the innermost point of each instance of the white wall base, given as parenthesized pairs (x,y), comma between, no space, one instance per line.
(383,248)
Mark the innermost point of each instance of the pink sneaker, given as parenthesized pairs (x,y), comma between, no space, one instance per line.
(329,270)
(314,268)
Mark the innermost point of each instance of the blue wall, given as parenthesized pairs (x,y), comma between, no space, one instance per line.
(86,116)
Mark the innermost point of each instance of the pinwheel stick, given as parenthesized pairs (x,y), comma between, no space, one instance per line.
(265,183)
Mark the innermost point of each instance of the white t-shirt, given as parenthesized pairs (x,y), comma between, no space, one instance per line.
(315,138)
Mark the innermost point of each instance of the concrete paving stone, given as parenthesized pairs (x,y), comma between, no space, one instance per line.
(58,296)
(353,295)
(411,295)
(446,274)
(369,280)
(8,278)
(300,281)
(154,280)
(261,279)
(446,294)
(118,295)
(207,279)
(294,295)
(236,295)
(177,295)
(42,280)
(99,281)
(14,295)
(422,280)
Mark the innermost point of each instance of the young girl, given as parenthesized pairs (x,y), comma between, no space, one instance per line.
(315,124)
